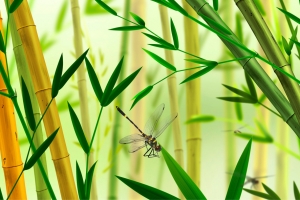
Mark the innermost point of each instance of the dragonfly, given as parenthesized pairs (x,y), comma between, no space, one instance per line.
(237,130)
(253,180)
(151,132)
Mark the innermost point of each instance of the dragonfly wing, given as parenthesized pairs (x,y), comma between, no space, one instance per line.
(153,119)
(166,122)
(132,139)
(136,146)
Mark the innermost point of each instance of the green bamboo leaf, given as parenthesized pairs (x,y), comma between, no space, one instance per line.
(141,95)
(237,99)
(94,9)
(122,86)
(251,86)
(259,194)
(262,98)
(239,92)
(78,130)
(28,106)
(216,5)
(202,61)
(57,77)
(200,119)
(254,138)
(37,154)
(159,40)
(264,131)
(290,15)
(186,185)
(218,26)
(80,183)
(238,111)
(162,46)
(178,7)
(14,5)
(160,60)
(199,73)
(174,35)
(106,7)
(45,42)
(296,191)
(127,28)
(111,82)
(1,195)
(260,7)
(286,46)
(238,178)
(293,38)
(2,45)
(61,17)
(145,190)
(270,192)
(165,3)
(89,180)
(94,80)
(67,75)
(239,27)
(138,19)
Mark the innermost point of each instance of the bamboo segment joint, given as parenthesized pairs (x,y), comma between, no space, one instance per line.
(13,166)
(196,5)
(61,158)
(26,26)
(192,139)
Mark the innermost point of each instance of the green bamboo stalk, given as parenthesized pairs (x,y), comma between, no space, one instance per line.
(173,94)
(22,66)
(252,67)
(82,88)
(113,182)
(272,51)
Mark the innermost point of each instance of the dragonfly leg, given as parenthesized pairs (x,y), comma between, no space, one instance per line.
(147,152)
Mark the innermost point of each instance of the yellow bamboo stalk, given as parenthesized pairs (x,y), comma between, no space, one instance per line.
(42,87)
(82,88)
(172,86)
(192,97)
(41,188)
(10,151)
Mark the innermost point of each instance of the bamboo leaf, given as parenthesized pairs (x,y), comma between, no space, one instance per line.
(239,92)
(239,29)
(262,98)
(28,106)
(165,3)
(67,75)
(200,119)
(162,46)
(290,15)
(286,46)
(159,40)
(14,5)
(202,61)
(186,185)
(160,60)
(259,194)
(260,7)
(89,180)
(138,19)
(141,95)
(111,82)
(238,110)
(61,17)
(122,86)
(78,130)
(2,45)
(178,7)
(293,38)
(174,35)
(94,80)
(80,183)
(106,7)
(238,177)
(37,154)
(45,42)
(218,26)
(93,9)
(237,99)
(127,28)
(254,138)
(1,195)
(145,190)
(251,86)
(199,73)
(264,131)
(296,191)
(270,192)
(216,5)
(57,77)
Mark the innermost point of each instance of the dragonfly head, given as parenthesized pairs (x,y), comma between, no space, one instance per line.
(157,148)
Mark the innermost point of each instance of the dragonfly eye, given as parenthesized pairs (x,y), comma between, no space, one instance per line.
(158,148)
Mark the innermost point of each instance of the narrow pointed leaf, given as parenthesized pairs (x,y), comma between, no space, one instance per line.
(238,111)
(14,5)
(37,154)
(106,7)
(145,190)
(57,77)
(122,86)
(264,130)
(141,95)
(160,60)
(296,191)
(239,27)
(290,15)
(200,119)
(159,40)
(61,16)
(293,38)
(28,106)
(162,46)
(239,92)
(1,195)
(186,185)
(259,194)
(111,82)
(271,192)
(286,46)
(2,45)
(238,178)
(94,80)
(78,130)
(216,5)
(198,74)
(80,183)
(202,61)
(178,7)
(127,28)
(251,86)
(138,19)
(165,3)
(216,25)
(174,35)
(237,99)
(65,77)
(262,98)
(255,138)
(89,180)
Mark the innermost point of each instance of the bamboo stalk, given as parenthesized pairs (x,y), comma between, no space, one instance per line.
(82,88)
(42,87)
(41,188)
(173,95)
(272,51)
(10,151)
(252,67)
(192,98)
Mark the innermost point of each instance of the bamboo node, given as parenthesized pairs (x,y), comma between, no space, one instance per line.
(25,27)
